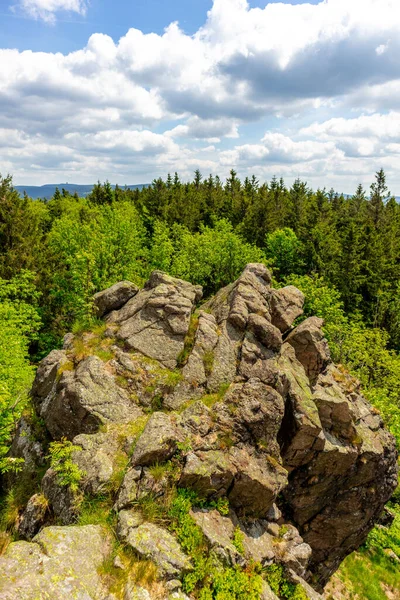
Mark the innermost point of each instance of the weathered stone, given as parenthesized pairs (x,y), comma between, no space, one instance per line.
(311,347)
(267,593)
(249,409)
(127,493)
(265,332)
(52,566)
(218,531)
(153,543)
(64,503)
(134,592)
(33,517)
(25,445)
(84,399)
(46,375)
(156,321)
(301,435)
(96,460)
(201,359)
(209,473)
(253,412)
(286,305)
(114,297)
(257,482)
(158,441)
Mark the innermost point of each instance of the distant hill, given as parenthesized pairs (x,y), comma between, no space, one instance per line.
(47,191)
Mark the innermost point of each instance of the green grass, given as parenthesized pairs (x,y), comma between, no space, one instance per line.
(189,340)
(365,575)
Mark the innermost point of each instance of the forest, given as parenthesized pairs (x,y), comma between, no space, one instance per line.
(343,252)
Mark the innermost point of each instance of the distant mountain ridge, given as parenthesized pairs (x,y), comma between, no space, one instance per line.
(48,190)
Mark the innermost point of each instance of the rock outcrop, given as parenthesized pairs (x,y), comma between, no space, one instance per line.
(228,400)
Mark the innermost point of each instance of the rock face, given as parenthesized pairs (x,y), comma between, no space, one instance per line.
(52,566)
(228,400)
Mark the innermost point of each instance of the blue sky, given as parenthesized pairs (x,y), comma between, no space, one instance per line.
(131,90)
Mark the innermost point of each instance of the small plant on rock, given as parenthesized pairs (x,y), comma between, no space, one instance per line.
(68,472)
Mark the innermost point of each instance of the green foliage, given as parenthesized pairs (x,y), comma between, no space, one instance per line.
(386,538)
(212,257)
(19,324)
(238,539)
(284,249)
(92,247)
(61,461)
(276,579)
(233,583)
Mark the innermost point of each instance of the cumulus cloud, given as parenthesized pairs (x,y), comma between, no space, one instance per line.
(151,95)
(47,9)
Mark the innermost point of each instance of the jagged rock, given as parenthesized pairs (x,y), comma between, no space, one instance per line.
(258,481)
(64,502)
(153,543)
(114,297)
(209,473)
(286,305)
(33,517)
(254,413)
(46,375)
(127,493)
(25,445)
(134,592)
(53,566)
(219,531)
(158,441)
(263,416)
(265,332)
(301,435)
(156,321)
(96,459)
(201,359)
(84,399)
(267,593)
(311,347)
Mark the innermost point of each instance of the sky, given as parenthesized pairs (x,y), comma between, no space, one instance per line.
(131,90)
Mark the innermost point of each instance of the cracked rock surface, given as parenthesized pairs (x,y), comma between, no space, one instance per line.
(233,400)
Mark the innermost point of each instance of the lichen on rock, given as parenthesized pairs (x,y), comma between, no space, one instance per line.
(235,404)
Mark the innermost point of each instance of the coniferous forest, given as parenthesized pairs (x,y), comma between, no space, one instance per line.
(343,252)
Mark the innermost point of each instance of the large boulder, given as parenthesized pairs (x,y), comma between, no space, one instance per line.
(156,321)
(232,401)
(53,566)
(153,543)
(114,297)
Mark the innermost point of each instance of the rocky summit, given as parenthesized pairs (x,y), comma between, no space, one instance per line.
(275,456)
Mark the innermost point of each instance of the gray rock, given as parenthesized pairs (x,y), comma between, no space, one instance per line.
(201,359)
(64,503)
(127,494)
(153,543)
(257,482)
(33,517)
(286,305)
(134,592)
(114,297)
(52,566)
(96,460)
(311,347)
(156,321)
(84,399)
(158,441)
(209,473)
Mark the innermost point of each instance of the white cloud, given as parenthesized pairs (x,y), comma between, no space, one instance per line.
(47,9)
(298,63)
